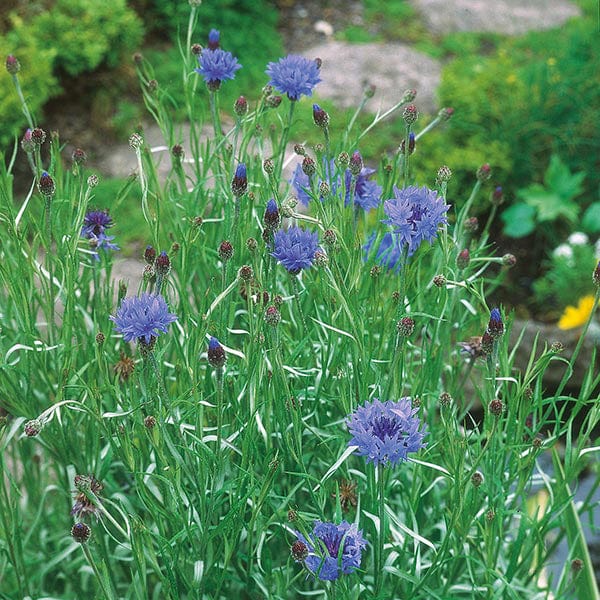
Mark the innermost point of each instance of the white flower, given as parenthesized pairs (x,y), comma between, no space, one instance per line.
(578,239)
(563,251)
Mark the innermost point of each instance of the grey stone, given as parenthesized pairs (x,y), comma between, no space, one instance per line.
(512,17)
(392,68)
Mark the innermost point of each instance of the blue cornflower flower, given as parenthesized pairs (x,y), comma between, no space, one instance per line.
(216,66)
(367,194)
(333,549)
(272,218)
(295,248)
(415,215)
(495,326)
(95,224)
(143,317)
(293,75)
(239,183)
(385,432)
(214,37)
(388,252)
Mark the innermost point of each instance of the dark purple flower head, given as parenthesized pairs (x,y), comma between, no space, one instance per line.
(295,248)
(216,354)
(385,432)
(272,218)
(333,550)
(495,326)
(239,183)
(95,224)
(217,66)
(214,37)
(415,215)
(367,194)
(293,75)
(143,317)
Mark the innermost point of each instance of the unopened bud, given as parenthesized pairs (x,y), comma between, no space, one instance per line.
(509,260)
(308,166)
(408,96)
(406,326)
(33,427)
(410,114)
(136,141)
(216,354)
(246,273)
(463,259)
(472,224)
(46,185)
(177,151)
(272,316)
(320,117)
(356,163)
(497,196)
(239,183)
(13,66)
(162,264)
(225,250)
(439,281)
(443,175)
(38,136)
(484,172)
(496,407)
(446,113)
(240,108)
(411,144)
(196,49)
(81,532)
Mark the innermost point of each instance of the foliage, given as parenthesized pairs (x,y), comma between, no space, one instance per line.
(200,457)
(545,204)
(521,99)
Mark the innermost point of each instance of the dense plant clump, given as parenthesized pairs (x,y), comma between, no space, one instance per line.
(306,387)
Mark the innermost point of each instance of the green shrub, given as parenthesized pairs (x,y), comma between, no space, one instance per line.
(37,81)
(535,96)
(87,33)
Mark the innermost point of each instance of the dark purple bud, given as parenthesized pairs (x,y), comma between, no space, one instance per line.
(33,427)
(272,218)
(495,326)
(409,96)
(13,66)
(46,185)
(225,250)
(484,172)
(272,316)
(273,101)
(177,151)
(216,354)
(81,532)
(308,166)
(472,224)
(240,107)
(38,136)
(162,264)
(196,49)
(411,144)
(150,255)
(246,273)
(320,117)
(214,37)
(410,114)
(239,184)
(318,62)
(497,196)
(463,259)
(356,163)
(487,343)
(27,142)
(446,113)
(299,551)
(496,407)
(509,260)
(79,156)
(406,326)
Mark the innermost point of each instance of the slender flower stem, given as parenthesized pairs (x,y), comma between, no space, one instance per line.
(23,102)
(108,593)
(284,138)
(220,409)
(214,111)
(378,574)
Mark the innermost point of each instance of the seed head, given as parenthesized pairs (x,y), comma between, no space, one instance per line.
(81,532)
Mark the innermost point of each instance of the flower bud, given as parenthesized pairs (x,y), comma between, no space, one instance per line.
(406,326)
(81,532)
(439,281)
(271,218)
(446,113)
(356,163)
(410,114)
(13,66)
(92,181)
(38,136)
(463,259)
(100,338)
(33,427)
(214,37)
(272,316)
(46,185)
(162,264)
(149,255)
(240,108)
(484,172)
(329,237)
(443,175)
(272,101)
(445,399)
(225,251)
(239,183)
(299,551)
(246,273)
(216,354)
(27,142)
(408,96)
(196,49)
(369,90)
(497,196)
(79,156)
(320,117)
(308,166)
(476,479)
(136,141)
(411,144)
(324,189)
(472,224)
(251,244)
(496,407)
(321,259)
(495,325)
(343,159)
(150,422)
(509,260)
(178,152)
(318,62)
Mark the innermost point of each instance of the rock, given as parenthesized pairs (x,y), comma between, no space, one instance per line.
(512,17)
(392,68)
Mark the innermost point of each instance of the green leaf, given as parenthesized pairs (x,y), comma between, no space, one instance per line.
(548,204)
(591,218)
(561,181)
(519,220)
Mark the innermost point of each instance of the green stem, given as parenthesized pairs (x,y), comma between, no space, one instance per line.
(378,575)
(108,593)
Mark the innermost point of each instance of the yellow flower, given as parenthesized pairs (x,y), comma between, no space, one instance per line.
(551,61)
(577,316)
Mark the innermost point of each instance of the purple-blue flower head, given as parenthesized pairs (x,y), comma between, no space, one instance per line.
(295,248)
(214,37)
(293,75)
(217,66)
(143,317)
(495,326)
(388,252)
(367,194)
(239,183)
(415,215)
(95,224)
(385,432)
(333,550)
